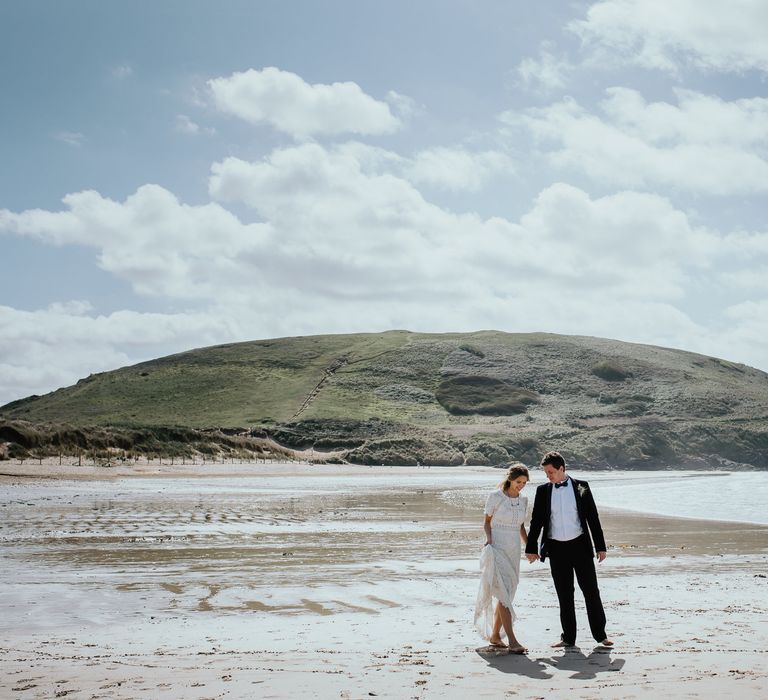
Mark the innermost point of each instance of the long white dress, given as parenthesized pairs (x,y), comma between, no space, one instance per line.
(500,561)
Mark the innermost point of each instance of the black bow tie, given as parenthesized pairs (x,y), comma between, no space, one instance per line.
(561,484)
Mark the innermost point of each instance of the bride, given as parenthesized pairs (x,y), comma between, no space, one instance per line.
(505,511)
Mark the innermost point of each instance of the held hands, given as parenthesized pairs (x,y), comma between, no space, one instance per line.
(535,557)
(487,542)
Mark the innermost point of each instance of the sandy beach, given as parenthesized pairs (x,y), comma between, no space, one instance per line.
(278,581)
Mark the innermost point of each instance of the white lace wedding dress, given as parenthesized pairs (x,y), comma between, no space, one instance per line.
(500,561)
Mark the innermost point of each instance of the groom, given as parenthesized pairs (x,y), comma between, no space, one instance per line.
(565,514)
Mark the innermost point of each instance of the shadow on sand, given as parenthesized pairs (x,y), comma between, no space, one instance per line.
(585,667)
(572,660)
(519,664)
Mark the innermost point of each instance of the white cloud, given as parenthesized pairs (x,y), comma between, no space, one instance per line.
(161,246)
(341,223)
(697,118)
(337,210)
(338,223)
(659,34)
(75,307)
(748,279)
(404,106)
(702,144)
(750,244)
(184,125)
(755,316)
(289,104)
(545,73)
(365,226)
(746,332)
(71,138)
(456,168)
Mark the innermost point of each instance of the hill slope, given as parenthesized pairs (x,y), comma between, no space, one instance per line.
(399,397)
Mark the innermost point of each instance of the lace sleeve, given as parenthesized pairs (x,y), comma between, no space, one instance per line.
(491,503)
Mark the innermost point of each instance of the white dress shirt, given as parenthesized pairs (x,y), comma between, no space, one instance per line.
(564,523)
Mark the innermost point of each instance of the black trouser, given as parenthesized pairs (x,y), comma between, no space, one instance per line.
(565,558)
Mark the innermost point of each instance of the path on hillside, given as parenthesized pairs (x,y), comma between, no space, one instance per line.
(329,371)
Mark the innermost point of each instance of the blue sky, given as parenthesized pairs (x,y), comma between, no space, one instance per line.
(180,174)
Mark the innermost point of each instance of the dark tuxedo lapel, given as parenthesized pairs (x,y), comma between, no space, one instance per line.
(547,515)
(586,508)
(579,505)
(587,518)
(547,510)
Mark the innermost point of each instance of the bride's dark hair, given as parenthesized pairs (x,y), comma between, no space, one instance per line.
(515,470)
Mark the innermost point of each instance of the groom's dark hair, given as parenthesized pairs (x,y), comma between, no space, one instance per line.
(554,459)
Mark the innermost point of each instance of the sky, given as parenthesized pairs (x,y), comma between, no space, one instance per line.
(180,174)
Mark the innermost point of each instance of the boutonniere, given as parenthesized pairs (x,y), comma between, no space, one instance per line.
(581,489)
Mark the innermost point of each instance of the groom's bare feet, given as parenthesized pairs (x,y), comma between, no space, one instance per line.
(606,643)
(561,645)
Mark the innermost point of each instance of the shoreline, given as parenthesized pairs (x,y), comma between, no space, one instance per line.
(143,469)
(173,467)
(51,471)
(608,510)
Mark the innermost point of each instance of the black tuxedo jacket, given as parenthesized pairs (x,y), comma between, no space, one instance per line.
(586,507)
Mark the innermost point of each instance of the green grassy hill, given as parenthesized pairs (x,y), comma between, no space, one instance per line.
(401,397)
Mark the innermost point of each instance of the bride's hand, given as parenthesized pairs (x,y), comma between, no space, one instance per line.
(487,542)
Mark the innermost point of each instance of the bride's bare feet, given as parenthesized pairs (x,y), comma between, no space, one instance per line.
(496,642)
(517,648)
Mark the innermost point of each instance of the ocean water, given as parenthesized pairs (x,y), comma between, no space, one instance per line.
(739,497)
(727,496)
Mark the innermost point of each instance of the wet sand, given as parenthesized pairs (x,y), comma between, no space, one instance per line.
(283,580)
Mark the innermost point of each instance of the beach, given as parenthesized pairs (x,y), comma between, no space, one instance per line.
(275,581)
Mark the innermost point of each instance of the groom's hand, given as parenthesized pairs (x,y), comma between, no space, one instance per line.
(532,557)
(601,556)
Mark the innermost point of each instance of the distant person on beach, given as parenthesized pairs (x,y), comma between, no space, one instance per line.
(564,513)
(505,511)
